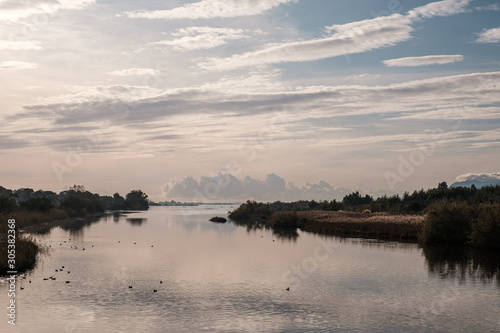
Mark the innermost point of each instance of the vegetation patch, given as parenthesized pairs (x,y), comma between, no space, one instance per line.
(218,219)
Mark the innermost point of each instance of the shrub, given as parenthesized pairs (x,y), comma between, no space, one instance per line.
(37,205)
(288,220)
(7,205)
(486,229)
(448,223)
(251,210)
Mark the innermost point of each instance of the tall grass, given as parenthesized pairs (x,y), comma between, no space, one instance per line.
(26,252)
(26,247)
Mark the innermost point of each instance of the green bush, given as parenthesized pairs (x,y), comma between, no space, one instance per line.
(288,220)
(447,222)
(7,205)
(486,229)
(37,205)
(251,210)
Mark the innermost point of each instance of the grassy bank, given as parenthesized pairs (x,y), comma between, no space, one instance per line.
(337,223)
(444,222)
(26,247)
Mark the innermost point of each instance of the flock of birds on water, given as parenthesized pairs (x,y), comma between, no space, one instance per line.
(62,268)
(59,270)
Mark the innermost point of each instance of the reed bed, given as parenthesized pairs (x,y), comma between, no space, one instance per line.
(365,225)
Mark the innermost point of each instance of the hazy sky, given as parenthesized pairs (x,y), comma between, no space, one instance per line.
(375,95)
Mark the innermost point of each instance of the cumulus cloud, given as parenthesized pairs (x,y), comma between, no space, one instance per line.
(14,10)
(440,8)
(348,38)
(19,45)
(489,36)
(423,61)
(136,72)
(478,179)
(226,187)
(209,9)
(197,38)
(16,65)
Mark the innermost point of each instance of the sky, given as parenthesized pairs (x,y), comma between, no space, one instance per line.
(218,100)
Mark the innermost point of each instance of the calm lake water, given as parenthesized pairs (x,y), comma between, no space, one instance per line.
(225,278)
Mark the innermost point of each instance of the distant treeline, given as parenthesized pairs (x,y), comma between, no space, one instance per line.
(76,201)
(414,203)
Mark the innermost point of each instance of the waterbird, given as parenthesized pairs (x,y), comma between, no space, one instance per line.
(83,249)
(30,281)
(23,288)
(68,272)
(57,270)
(155,291)
(67,281)
(62,266)
(161,281)
(288,288)
(129,287)
(45,279)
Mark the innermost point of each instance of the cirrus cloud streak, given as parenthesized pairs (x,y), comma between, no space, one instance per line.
(423,61)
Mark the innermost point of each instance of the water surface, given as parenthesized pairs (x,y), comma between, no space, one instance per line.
(225,278)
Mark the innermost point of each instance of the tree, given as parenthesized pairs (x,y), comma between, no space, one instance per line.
(136,200)
(443,186)
(7,205)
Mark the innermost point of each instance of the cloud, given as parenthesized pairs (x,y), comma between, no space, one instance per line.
(197,38)
(136,71)
(423,61)
(348,38)
(478,179)
(440,8)
(138,114)
(17,65)
(226,187)
(19,46)
(209,9)
(492,7)
(14,10)
(489,36)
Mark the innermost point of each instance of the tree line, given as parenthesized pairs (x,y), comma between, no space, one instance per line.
(417,202)
(76,201)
